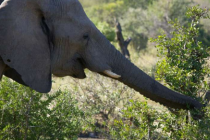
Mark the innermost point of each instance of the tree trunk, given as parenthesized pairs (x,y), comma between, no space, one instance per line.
(122,43)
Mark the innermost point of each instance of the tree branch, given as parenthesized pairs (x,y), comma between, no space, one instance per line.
(122,43)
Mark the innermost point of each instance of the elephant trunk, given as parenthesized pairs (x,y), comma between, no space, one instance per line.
(141,82)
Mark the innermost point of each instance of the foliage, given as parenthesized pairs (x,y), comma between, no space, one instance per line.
(26,114)
(137,4)
(184,64)
(137,120)
(140,121)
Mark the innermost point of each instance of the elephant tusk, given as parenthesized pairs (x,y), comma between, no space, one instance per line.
(111,74)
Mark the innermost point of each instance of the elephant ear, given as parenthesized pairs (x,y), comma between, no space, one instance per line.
(23,45)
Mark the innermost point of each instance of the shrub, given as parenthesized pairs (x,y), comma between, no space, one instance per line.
(184,58)
(26,114)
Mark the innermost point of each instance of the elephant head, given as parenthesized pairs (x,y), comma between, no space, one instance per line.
(39,38)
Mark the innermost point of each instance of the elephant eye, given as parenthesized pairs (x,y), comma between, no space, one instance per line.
(86,36)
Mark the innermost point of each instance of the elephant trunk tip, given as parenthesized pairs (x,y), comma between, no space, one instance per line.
(197,114)
(198,111)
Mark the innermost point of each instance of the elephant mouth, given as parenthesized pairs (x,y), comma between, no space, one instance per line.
(81,72)
(74,68)
(80,75)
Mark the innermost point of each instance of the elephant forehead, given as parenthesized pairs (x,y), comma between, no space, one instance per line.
(61,6)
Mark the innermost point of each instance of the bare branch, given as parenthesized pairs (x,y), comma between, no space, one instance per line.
(122,43)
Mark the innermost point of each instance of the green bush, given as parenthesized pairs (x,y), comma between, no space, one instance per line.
(26,114)
(184,58)
(137,122)
(183,67)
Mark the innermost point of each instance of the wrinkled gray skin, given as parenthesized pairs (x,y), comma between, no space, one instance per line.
(39,38)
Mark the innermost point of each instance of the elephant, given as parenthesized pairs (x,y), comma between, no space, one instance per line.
(41,38)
